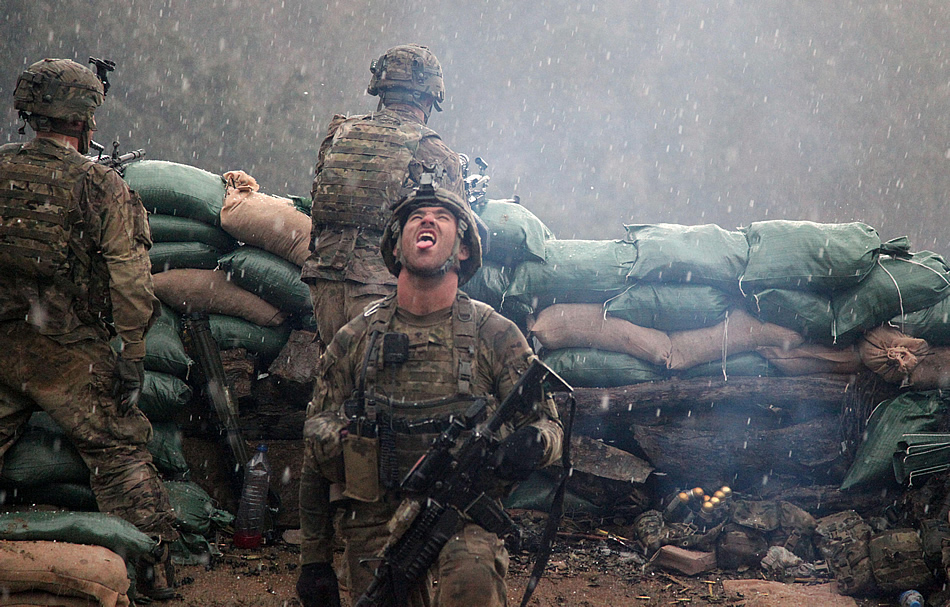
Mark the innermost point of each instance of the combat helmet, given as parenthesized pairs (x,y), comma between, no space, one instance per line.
(429,194)
(53,92)
(408,73)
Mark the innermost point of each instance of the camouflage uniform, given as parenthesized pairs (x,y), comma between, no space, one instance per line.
(56,353)
(365,164)
(472,565)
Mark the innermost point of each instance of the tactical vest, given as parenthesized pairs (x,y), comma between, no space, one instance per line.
(897,560)
(41,233)
(842,540)
(365,170)
(405,429)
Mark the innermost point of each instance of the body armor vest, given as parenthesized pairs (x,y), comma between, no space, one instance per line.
(41,225)
(405,429)
(365,171)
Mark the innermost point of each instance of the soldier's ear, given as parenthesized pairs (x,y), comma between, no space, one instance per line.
(464,253)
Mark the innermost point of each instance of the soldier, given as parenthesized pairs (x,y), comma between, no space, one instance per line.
(416,357)
(74,269)
(366,164)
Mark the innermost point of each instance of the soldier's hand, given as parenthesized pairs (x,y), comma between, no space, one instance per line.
(129,379)
(520,454)
(317,586)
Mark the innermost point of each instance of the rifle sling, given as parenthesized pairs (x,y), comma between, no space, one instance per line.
(557,508)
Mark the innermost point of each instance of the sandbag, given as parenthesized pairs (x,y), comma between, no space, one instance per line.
(164,350)
(670,307)
(93,528)
(932,371)
(808,314)
(823,257)
(267,222)
(270,277)
(891,354)
(40,457)
(169,188)
(590,368)
(810,359)
(584,326)
(738,333)
(210,291)
(194,509)
(166,256)
(896,285)
(92,573)
(168,228)
(747,364)
(515,232)
(167,451)
(489,284)
(703,254)
(233,332)
(163,396)
(71,496)
(908,413)
(598,268)
(931,324)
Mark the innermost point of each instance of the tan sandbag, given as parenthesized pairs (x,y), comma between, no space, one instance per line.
(737,334)
(932,371)
(891,354)
(44,599)
(809,359)
(584,326)
(85,572)
(191,290)
(266,222)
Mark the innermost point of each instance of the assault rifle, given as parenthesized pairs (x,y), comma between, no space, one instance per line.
(451,484)
(114,160)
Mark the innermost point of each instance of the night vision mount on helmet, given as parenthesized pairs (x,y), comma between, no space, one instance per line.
(429,194)
(408,73)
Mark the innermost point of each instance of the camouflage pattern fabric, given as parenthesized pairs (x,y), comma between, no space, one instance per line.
(73,383)
(107,259)
(336,302)
(472,566)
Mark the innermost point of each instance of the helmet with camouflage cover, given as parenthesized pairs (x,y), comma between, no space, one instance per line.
(53,92)
(409,73)
(430,195)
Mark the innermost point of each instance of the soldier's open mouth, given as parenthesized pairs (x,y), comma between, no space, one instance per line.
(425,240)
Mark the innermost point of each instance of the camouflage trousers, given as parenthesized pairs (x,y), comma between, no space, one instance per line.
(73,383)
(470,570)
(336,302)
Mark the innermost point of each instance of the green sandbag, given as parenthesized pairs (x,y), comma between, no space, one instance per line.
(93,528)
(489,284)
(747,364)
(169,188)
(194,508)
(703,254)
(304,204)
(896,285)
(931,324)
(515,233)
(42,456)
(172,255)
(167,451)
(72,496)
(671,307)
(808,314)
(168,228)
(810,256)
(164,350)
(163,396)
(596,267)
(537,491)
(591,368)
(270,277)
(233,332)
(909,413)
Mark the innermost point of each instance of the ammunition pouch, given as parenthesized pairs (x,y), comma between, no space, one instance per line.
(842,539)
(897,560)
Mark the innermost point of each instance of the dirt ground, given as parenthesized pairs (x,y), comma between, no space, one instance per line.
(581,572)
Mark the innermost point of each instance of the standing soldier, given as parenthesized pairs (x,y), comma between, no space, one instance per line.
(405,367)
(74,269)
(365,165)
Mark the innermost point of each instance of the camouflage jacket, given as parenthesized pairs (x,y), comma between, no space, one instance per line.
(351,253)
(110,223)
(501,355)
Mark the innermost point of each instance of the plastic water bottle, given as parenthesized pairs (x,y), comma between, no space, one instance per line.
(911,598)
(249,523)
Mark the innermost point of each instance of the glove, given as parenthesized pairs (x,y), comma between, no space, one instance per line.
(519,455)
(129,379)
(317,586)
